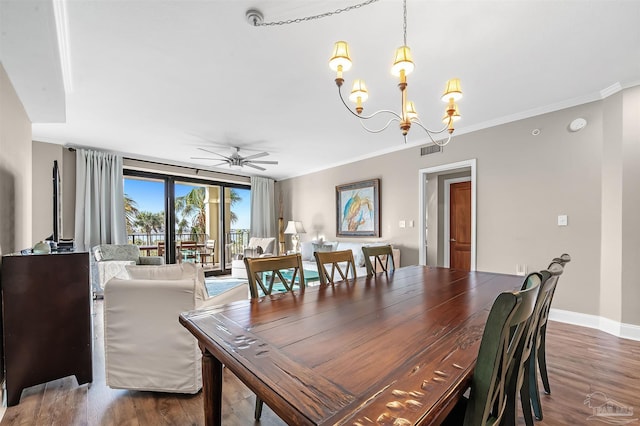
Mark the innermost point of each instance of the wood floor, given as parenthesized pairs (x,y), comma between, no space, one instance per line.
(580,361)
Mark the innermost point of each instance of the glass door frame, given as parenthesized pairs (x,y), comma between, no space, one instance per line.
(170,211)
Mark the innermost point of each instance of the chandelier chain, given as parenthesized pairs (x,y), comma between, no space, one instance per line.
(404,28)
(322,15)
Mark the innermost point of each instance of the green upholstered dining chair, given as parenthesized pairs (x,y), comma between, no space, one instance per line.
(340,261)
(382,259)
(505,327)
(551,275)
(521,376)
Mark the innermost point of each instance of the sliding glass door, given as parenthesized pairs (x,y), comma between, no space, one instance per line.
(205,222)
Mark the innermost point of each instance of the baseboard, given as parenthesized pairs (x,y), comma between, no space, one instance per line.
(627,331)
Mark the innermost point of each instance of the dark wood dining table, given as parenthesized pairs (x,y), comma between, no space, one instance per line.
(391,349)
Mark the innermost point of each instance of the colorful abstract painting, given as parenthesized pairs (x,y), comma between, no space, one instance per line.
(357,208)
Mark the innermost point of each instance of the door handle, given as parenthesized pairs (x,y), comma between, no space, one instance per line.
(453,240)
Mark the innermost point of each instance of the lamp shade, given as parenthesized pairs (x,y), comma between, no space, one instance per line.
(294,227)
(340,56)
(452,90)
(412,114)
(359,90)
(403,61)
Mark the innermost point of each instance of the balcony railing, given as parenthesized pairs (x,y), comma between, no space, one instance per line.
(235,241)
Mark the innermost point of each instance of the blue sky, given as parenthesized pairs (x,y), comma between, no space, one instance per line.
(149,196)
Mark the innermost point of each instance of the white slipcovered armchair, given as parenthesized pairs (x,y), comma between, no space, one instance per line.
(110,261)
(260,247)
(146,348)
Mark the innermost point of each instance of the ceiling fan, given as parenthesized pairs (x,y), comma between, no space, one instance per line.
(237,161)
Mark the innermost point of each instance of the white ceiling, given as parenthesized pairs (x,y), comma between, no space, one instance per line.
(158,79)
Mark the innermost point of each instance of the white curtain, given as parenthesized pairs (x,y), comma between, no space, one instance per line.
(263,208)
(100,215)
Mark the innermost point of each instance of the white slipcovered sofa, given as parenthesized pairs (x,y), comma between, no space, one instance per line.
(309,247)
(146,348)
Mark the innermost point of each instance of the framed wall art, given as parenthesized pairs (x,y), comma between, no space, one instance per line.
(358,209)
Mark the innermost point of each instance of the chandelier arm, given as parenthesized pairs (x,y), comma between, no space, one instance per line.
(430,133)
(366,117)
(379,130)
(435,132)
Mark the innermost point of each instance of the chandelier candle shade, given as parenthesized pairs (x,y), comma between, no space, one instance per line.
(403,65)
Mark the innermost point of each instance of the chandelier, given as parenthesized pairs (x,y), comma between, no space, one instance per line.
(402,66)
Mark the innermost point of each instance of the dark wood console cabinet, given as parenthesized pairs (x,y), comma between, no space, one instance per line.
(46,320)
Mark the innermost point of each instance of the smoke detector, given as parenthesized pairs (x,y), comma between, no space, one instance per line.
(577,124)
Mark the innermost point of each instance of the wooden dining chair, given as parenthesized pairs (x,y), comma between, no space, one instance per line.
(505,327)
(551,275)
(382,259)
(262,272)
(338,260)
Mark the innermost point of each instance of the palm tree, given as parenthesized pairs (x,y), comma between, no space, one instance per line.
(130,212)
(192,205)
(149,222)
(234,198)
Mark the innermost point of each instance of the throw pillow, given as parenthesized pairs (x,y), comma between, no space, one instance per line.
(155,272)
(322,247)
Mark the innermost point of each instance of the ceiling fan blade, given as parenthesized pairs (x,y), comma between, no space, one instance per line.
(204,158)
(224,163)
(261,154)
(262,162)
(255,167)
(215,153)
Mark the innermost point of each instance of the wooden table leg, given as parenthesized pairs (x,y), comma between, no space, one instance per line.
(212,389)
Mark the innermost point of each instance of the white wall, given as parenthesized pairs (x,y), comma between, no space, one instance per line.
(523,183)
(15,170)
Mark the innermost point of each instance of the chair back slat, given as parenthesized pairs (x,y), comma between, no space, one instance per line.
(338,260)
(382,259)
(262,273)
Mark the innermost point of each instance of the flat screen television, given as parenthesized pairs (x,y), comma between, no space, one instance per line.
(57,203)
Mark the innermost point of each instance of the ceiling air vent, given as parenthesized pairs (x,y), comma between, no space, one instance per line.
(430,149)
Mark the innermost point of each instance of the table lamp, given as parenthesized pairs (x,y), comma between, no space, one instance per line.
(294,228)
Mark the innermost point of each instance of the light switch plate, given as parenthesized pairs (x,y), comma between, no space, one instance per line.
(563,220)
(402,224)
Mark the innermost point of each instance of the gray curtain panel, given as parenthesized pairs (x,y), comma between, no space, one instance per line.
(263,208)
(99,199)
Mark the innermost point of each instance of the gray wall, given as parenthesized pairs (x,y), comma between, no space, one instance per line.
(15,170)
(523,183)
